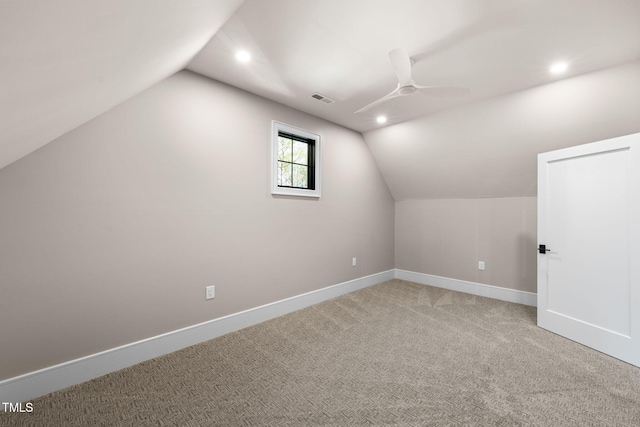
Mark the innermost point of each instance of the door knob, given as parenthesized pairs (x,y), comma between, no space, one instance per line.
(543,249)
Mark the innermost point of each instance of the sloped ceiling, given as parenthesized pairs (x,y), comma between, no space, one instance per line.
(340,48)
(490,148)
(64,62)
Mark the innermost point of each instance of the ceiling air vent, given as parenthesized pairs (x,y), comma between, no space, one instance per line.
(322,98)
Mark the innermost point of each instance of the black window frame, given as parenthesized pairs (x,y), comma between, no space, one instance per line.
(314,160)
(311,160)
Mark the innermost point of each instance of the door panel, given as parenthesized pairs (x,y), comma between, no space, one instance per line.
(588,219)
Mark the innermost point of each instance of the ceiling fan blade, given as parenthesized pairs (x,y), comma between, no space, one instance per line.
(401,63)
(444,91)
(387,97)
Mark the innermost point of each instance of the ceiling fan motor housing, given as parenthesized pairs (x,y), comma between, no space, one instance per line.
(407,90)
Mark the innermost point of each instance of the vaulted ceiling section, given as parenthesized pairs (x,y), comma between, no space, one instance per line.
(68,61)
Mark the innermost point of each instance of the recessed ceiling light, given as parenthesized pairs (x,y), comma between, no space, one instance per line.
(558,68)
(243,56)
(381,119)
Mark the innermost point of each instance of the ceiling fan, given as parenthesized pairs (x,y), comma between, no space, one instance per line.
(402,63)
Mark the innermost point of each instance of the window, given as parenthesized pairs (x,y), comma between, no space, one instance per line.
(295,169)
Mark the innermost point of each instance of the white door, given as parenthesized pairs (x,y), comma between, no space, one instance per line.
(589,224)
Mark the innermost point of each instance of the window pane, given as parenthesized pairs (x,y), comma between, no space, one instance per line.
(284,174)
(300,153)
(284,149)
(300,176)
(295,161)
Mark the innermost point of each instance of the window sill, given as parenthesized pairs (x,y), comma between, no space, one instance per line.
(295,192)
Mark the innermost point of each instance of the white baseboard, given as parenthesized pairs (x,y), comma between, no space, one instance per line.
(495,292)
(38,383)
(47,380)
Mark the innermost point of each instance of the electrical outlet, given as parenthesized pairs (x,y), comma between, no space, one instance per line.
(480,265)
(354,261)
(211,292)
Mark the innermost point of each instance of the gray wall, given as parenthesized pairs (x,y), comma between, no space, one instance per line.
(111,232)
(447,237)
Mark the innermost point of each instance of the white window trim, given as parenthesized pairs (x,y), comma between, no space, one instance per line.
(284,191)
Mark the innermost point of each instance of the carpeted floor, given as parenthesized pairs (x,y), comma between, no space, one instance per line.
(394,354)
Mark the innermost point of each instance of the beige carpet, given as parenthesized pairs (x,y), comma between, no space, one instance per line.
(395,354)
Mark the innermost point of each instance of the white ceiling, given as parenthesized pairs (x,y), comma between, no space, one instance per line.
(340,48)
(64,62)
